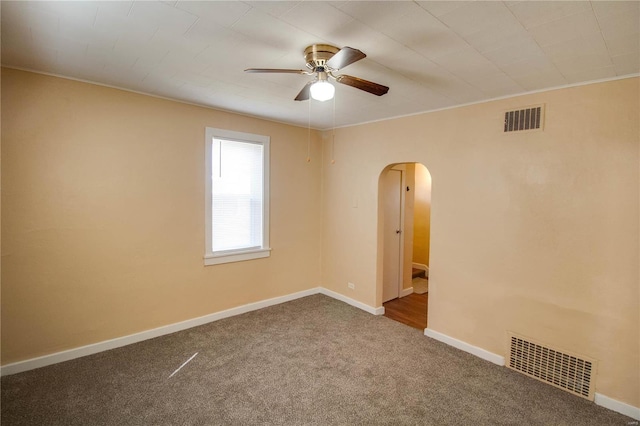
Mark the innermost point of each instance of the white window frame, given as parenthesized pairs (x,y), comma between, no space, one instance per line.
(215,258)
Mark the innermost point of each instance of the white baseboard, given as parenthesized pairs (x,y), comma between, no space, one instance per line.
(421,266)
(54,358)
(617,406)
(602,400)
(30,364)
(464,346)
(406,291)
(43,361)
(352,302)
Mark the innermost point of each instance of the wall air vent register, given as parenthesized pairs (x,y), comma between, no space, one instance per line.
(570,372)
(525,119)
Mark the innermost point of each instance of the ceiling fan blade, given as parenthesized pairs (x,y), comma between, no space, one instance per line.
(367,86)
(304,93)
(345,56)
(275,70)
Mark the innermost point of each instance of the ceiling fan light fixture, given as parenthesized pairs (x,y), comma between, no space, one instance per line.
(323,60)
(322,90)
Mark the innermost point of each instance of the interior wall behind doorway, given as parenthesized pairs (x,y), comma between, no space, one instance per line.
(421,214)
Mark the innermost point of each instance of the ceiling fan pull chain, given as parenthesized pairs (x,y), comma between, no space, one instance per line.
(309,135)
(333,137)
(220,159)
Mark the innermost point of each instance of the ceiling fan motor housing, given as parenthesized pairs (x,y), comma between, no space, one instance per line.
(317,55)
(322,60)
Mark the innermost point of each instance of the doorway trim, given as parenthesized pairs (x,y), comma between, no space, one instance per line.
(402,292)
(380,228)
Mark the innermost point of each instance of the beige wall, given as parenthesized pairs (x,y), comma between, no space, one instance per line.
(536,232)
(421,215)
(103,215)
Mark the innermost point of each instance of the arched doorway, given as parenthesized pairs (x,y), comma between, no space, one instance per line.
(404,228)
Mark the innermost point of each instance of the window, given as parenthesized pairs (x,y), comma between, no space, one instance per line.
(237,196)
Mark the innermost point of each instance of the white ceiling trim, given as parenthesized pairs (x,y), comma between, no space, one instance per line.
(432,54)
(155,96)
(565,86)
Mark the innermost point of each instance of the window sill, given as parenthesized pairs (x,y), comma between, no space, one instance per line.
(236,256)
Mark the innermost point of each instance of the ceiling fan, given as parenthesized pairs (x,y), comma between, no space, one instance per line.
(323,61)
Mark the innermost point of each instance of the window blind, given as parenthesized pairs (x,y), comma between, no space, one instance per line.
(237,195)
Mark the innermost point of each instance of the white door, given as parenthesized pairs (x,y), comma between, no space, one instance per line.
(392,190)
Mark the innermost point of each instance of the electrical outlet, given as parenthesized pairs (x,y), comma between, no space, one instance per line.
(352,286)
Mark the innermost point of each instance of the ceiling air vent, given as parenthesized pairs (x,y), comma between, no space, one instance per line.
(524,119)
(564,370)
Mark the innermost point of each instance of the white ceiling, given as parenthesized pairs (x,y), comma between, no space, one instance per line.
(432,54)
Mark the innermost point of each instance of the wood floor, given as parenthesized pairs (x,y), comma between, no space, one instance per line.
(410,310)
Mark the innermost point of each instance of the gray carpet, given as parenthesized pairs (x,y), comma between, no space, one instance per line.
(311,361)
